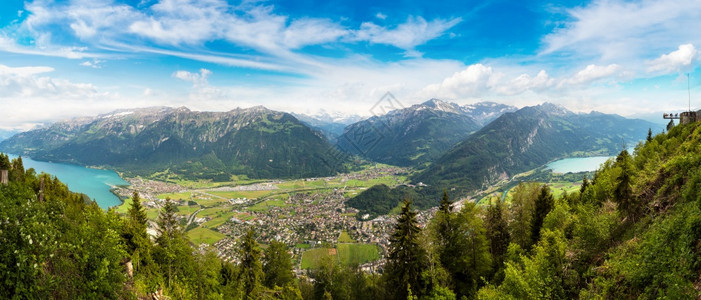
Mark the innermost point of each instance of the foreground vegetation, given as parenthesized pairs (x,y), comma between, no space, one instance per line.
(633,231)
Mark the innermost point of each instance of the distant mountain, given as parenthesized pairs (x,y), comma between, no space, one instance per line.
(485,112)
(513,143)
(255,142)
(5,134)
(416,135)
(527,139)
(331,125)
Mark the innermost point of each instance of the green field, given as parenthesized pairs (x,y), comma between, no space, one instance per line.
(357,254)
(344,237)
(347,254)
(241,194)
(220,219)
(203,235)
(176,196)
(266,205)
(312,258)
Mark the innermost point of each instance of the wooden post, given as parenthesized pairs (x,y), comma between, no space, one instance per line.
(4,177)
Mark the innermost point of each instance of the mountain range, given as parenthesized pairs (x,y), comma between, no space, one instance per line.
(255,142)
(513,143)
(416,135)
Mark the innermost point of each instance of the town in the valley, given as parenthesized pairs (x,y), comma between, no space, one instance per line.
(309,215)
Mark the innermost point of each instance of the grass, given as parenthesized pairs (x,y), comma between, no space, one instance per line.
(221,219)
(344,237)
(176,196)
(266,205)
(240,194)
(347,254)
(187,210)
(312,258)
(302,246)
(357,254)
(213,211)
(201,235)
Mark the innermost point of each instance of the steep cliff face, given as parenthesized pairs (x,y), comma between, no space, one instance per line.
(256,142)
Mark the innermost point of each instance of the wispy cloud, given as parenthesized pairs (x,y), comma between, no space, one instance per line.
(618,29)
(414,32)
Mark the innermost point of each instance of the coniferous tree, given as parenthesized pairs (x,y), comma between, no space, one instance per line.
(137,240)
(406,260)
(250,269)
(277,265)
(585,185)
(168,240)
(544,203)
(623,192)
(649,135)
(497,233)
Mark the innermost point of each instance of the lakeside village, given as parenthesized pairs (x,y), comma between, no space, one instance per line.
(302,217)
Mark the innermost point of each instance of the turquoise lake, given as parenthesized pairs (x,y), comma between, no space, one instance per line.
(92,182)
(577,164)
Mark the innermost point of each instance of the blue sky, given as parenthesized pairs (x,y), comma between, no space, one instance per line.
(61,59)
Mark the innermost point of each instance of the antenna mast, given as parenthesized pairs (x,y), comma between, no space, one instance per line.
(688,89)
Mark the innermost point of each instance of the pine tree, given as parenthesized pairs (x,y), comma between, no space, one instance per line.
(135,235)
(497,233)
(406,260)
(445,230)
(277,265)
(168,240)
(585,185)
(649,135)
(250,269)
(623,193)
(544,203)
(168,226)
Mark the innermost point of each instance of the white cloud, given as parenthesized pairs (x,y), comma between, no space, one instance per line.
(675,61)
(23,71)
(526,82)
(593,73)
(380,16)
(619,30)
(95,63)
(197,79)
(28,97)
(414,32)
(472,82)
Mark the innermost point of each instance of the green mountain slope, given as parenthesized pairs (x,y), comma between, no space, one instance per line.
(255,142)
(416,135)
(527,139)
(513,143)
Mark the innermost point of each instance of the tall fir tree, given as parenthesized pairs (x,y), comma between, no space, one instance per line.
(649,135)
(623,192)
(544,203)
(406,260)
(250,269)
(497,233)
(135,234)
